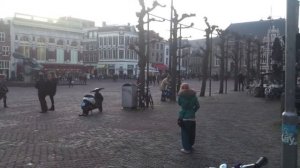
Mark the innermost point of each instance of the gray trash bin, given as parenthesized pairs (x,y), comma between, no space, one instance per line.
(129,95)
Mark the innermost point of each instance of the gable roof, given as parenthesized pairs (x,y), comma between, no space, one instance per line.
(257,28)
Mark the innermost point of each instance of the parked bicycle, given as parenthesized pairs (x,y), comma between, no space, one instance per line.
(143,99)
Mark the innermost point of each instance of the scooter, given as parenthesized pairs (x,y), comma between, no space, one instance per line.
(91,102)
(261,162)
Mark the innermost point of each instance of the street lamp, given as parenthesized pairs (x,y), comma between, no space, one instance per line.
(148,53)
(174,48)
(179,54)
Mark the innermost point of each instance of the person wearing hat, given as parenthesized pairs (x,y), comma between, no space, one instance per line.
(189,105)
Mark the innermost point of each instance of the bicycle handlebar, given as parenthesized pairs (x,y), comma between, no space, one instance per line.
(262,161)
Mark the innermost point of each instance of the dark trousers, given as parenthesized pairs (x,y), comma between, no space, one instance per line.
(163,95)
(42,99)
(52,100)
(4,100)
(188,133)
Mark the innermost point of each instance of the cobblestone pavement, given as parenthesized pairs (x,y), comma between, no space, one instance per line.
(232,128)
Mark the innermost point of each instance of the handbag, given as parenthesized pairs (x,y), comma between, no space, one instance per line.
(180,122)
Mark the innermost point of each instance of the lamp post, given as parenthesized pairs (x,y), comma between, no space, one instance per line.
(176,21)
(179,54)
(289,116)
(212,28)
(148,53)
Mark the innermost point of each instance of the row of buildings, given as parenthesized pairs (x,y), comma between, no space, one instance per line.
(74,46)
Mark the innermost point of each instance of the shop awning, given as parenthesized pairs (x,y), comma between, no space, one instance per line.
(160,67)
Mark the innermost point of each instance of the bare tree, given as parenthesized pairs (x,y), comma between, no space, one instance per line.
(236,57)
(222,35)
(141,49)
(208,31)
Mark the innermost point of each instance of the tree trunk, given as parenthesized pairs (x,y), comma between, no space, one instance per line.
(258,61)
(205,66)
(236,64)
(222,59)
(248,61)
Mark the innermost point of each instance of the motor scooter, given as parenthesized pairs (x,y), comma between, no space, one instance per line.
(91,102)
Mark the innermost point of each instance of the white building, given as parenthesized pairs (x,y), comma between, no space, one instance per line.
(111,44)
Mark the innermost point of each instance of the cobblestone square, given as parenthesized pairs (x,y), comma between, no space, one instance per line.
(232,128)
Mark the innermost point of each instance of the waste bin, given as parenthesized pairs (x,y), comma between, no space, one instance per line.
(129,95)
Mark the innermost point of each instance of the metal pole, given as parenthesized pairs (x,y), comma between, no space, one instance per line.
(226,67)
(148,48)
(210,63)
(289,116)
(179,63)
(170,41)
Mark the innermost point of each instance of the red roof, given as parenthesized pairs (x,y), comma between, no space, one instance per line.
(160,67)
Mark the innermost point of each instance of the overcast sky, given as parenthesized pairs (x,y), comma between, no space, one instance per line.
(118,12)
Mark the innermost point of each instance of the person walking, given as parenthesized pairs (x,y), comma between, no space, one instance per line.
(3,91)
(51,86)
(164,86)
(41,86)
(186,120)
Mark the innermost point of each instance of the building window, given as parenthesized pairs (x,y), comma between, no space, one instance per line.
(5,50)
(217,61)
(101,41)
(104,54)
(24,38)
(131,54)
(16,37)
(51,40)
(101,55)
(60,58)
(127,54)
(60,42)
(41,40)
(4,64)
(115,40)
(115,54)
(121,54)
(135,56)
(74,56)
(127,40)
(161,46)
(121,40)
(109,40)
(41,53)
(109,54)
(105,40)
(2,36)
(25,50)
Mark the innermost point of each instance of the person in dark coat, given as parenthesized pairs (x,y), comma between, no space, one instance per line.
(241,81)
(70,81)
(41,86)
(51,86)
(189,105)
(3,92)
